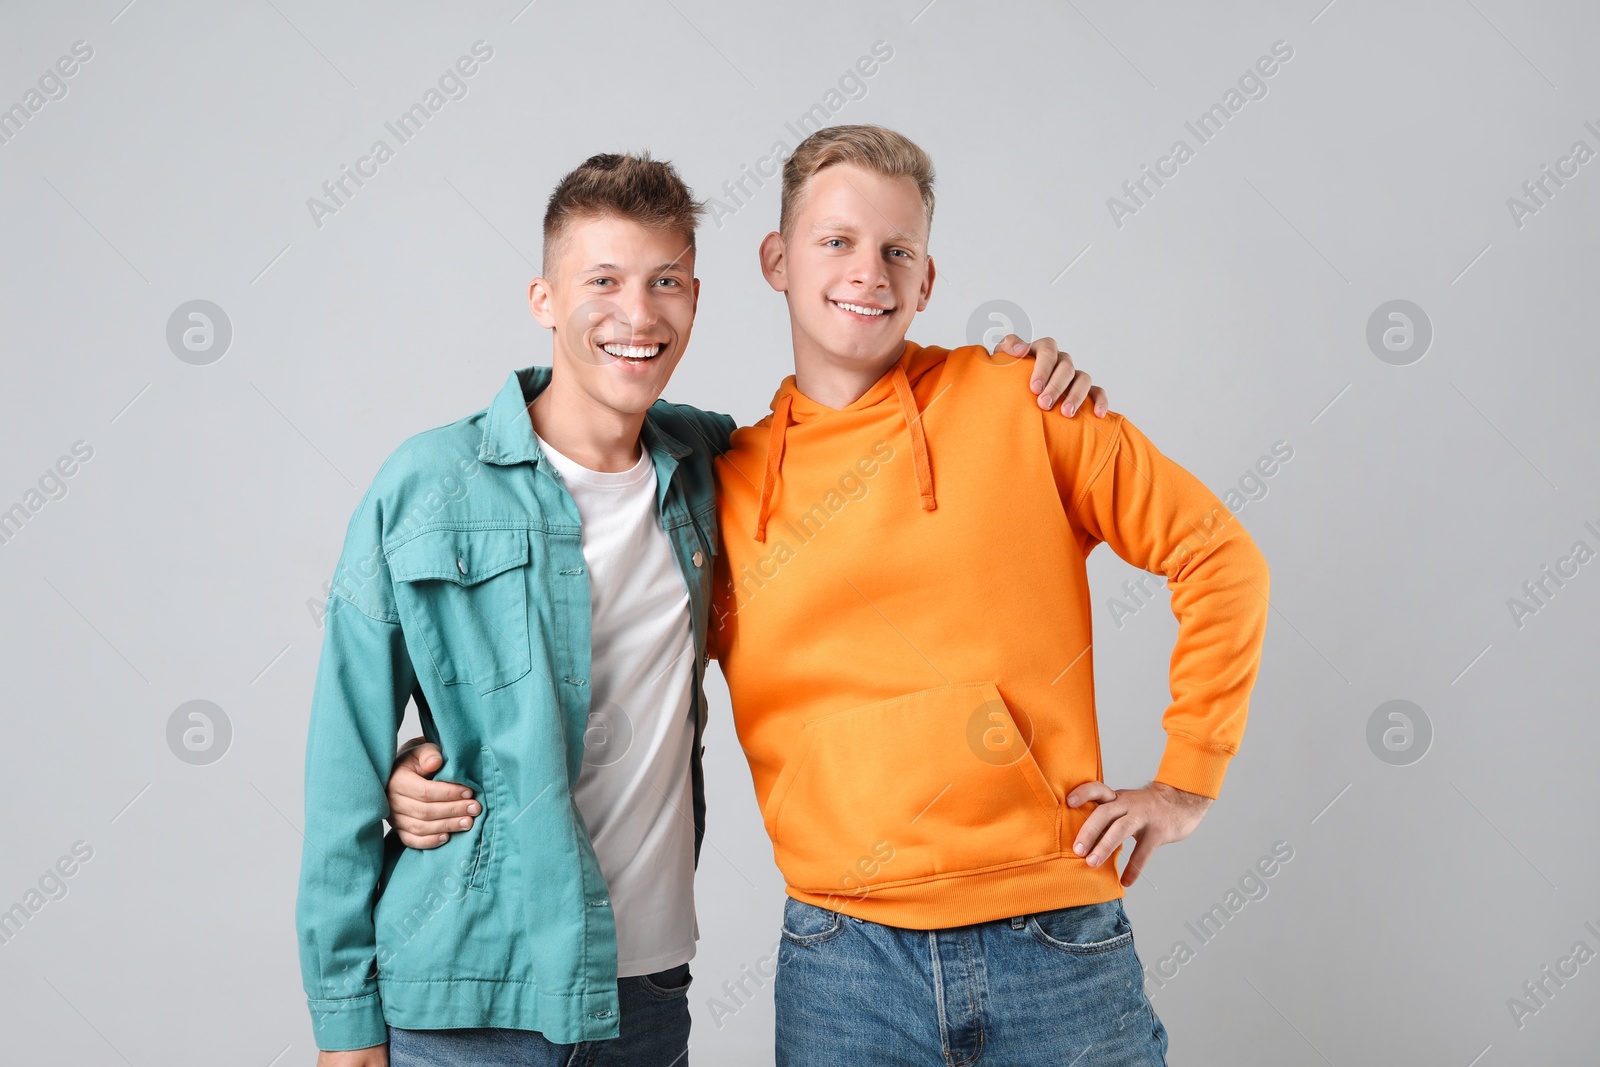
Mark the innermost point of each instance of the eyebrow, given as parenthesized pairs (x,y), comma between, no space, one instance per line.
(676,264)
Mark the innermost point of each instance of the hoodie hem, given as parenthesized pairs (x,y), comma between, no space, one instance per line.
(964,898)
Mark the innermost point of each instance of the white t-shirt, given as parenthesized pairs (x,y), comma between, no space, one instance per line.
(634,790)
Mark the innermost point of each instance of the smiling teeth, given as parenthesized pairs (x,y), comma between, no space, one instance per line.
(860,310)
(631,351)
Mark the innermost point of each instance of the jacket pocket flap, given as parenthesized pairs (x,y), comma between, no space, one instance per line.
(465,557)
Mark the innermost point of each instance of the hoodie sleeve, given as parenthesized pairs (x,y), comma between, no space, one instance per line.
(364,680)
(1119,489)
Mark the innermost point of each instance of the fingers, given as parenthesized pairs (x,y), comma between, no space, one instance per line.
(1143,849)
(1046,368)
(406,782)
(435,811)
(1077,392)
(425,827)
(1121,828)
(1097,396)
(1060,383)
(1109,809)
(412,841)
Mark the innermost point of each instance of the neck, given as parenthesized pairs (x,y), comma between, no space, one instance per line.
(584,430)
(835,381)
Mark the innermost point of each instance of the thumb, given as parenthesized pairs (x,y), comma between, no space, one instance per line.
(429,759)
(1097,792)
(424,759)
(1012,344)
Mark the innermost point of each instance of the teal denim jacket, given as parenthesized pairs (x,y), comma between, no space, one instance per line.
(462,585)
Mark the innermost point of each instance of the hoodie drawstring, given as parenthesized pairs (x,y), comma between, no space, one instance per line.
(780,430)
(919,441)
(769,480)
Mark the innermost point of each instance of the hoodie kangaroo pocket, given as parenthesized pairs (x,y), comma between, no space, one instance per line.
(927,784)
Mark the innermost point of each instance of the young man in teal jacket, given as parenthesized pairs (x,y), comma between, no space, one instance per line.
(536,577)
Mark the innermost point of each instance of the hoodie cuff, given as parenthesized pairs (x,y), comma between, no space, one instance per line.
(348,1023)
(1195,768)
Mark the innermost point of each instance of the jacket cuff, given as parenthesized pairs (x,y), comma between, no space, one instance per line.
(348,1023)
(1195,768)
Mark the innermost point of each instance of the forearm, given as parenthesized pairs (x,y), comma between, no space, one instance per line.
(1221,606)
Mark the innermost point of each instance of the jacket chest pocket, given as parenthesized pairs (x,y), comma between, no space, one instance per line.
(465,593)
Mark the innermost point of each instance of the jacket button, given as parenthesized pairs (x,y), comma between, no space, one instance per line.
(461,565)
(699,558)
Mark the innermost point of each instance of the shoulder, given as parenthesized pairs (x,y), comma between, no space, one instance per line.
(706,432)
(424,473)
(746,438)
(976,365)
(973,373)
(1085,438)
(428,456)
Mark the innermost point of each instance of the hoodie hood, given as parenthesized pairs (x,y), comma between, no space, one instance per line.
(790,406)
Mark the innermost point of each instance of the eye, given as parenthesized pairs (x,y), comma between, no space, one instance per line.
(900,252)
(669,282)
(834,242)
(600,281)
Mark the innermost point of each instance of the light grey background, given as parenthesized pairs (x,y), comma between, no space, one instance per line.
(1229,313)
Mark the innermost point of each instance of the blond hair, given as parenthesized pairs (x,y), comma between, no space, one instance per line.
(874,148)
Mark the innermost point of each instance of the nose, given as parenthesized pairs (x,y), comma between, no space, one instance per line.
(867,270)
(637,311)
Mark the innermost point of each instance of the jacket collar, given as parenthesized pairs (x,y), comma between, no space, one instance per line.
(508,432)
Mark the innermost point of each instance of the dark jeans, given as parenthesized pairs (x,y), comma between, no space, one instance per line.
(1057,987)
(655,1033)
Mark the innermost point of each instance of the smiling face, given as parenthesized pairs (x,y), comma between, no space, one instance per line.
(854,268)
(621,298)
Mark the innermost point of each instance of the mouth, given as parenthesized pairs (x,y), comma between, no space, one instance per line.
(640,353)
(863,312)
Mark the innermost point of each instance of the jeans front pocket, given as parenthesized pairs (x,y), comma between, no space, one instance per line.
(465,593)
(1083,930)
(669,984)
(806,924)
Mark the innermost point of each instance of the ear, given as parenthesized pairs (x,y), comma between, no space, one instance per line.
(694,304)
(927,286)
(540,296)
(773,261)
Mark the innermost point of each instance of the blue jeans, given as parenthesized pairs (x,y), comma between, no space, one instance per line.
(1060,987)
(655,1033)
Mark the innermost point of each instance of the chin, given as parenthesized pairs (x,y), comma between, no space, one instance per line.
(632,401)
(853,351)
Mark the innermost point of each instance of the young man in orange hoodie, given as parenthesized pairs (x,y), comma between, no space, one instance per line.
(903,618)
(927,758)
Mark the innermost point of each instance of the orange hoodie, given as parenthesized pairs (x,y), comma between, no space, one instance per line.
(903,618)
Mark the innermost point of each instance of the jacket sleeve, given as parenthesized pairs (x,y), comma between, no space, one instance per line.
(364,680)
(1119,489)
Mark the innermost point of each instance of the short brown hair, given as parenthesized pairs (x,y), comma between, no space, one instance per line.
(648,191)
(875,148)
